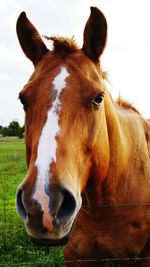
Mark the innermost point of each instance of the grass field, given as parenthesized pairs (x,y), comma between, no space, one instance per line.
(16,248)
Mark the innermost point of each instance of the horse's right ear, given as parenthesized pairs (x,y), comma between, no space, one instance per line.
(30,40)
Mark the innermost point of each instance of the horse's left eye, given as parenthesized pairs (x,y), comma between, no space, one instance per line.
(97,100)
(23,101)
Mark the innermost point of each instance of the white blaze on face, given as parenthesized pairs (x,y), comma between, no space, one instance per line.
(47,146)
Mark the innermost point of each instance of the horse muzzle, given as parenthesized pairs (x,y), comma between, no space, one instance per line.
(49,225)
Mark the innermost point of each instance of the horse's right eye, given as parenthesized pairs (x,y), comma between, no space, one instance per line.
(98,99)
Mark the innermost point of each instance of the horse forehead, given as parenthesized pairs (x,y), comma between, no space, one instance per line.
(77,64)
(59,84)
(59,80)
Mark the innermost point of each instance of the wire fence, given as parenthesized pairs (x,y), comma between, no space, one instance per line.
(9,228)
(16,248)
(106,262)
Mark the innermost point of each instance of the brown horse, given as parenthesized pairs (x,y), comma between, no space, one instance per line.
(88,179)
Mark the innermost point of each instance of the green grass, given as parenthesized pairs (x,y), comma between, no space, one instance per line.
(16,248)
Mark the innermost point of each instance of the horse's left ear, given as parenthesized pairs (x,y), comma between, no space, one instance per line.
(95,34)
(30,40)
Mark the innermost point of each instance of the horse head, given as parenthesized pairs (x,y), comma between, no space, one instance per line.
(65,127)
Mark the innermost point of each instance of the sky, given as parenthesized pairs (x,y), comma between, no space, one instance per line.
(126,57)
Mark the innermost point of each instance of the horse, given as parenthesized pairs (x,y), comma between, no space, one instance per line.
(88,181)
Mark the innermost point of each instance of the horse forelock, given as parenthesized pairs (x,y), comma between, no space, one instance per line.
(62,45)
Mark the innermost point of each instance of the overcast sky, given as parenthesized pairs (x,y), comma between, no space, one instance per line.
(126,58)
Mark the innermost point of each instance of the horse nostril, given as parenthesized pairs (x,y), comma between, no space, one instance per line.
(67,207)
(19,205)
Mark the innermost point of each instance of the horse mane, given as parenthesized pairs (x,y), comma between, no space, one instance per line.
(63,45)
(126,105)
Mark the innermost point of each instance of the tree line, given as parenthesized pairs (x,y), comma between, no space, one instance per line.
(13,129)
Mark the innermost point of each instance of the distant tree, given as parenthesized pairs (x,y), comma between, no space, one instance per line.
(1,130)
(20,133)
(6,131)
(13,128)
